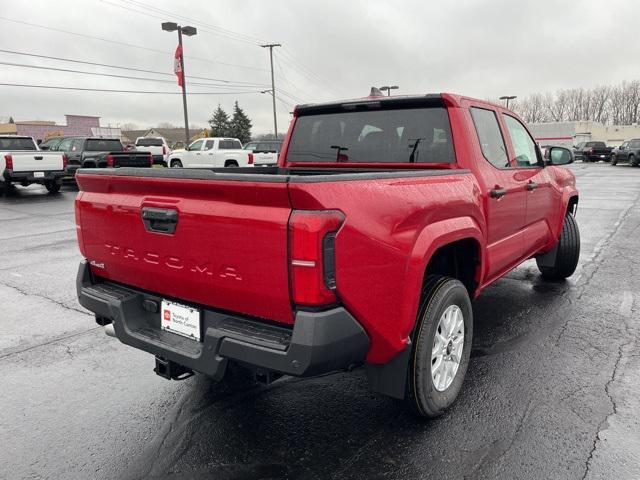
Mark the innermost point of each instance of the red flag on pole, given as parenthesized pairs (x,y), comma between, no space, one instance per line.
(177,66)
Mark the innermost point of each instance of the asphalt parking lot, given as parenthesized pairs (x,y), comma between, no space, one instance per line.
(553,389)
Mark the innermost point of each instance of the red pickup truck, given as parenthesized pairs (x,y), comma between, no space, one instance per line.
(384,217)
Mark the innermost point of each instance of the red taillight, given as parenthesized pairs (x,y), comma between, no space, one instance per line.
(312,259)
(250,158)
(8,160)
(65,161)
(78,229)
(150,160)
(164,149)
(110,160)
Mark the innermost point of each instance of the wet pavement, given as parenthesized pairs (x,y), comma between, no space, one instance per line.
(552,391)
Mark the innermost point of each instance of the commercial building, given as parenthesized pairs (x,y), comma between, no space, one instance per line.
(82,125)
(173,136)
(567,134)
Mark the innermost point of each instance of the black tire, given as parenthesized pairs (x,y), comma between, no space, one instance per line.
(3,187)
(568,252)
(230,163)
(176,164)
(632,160)
(614,160)
(52,187)
(422,396)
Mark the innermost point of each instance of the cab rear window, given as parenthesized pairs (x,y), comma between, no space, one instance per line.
(409,135)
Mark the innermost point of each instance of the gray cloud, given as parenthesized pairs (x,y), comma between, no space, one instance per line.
(479,48)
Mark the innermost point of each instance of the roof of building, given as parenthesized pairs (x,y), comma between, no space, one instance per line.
(171,135)
(47,123)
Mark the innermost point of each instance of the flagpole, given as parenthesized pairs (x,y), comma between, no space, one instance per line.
(184,90)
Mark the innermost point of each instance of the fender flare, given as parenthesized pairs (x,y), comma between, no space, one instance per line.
(569,193)
(434,236)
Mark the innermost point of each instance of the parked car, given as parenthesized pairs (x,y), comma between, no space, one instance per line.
(386,216)
(265,152)
(21,161)
(592,152)
(156,146)
(629,151)
(93,152)
(51,143)
(211,153)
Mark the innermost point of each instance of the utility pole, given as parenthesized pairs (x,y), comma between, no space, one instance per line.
(188,31)
(273,86)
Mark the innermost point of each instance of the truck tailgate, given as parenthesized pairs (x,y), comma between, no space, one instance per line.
(228,250)
(36,161)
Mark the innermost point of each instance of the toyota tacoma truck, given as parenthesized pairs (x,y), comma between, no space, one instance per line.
(156,146)
(21,161)
(384,218)
(211,153)
(94,152)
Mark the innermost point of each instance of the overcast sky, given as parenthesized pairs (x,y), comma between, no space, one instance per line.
(331,49)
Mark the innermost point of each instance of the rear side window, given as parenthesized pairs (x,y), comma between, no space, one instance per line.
(490,137)
(17,144)
(415,135)
(103,145)
(149,142)
(634,144)
(209,144)
(230,145)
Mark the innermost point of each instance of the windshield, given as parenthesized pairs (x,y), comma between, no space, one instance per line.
(417,135)
(149,142)
(17,144)
(103,145)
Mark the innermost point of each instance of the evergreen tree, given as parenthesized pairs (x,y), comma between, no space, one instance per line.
(11,120)
(220,123)
(240,125)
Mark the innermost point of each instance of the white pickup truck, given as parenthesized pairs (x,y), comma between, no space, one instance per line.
(212,152)
(21,161)
(156,146)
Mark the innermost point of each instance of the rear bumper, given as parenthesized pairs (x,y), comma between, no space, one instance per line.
(29,177)
(319,341)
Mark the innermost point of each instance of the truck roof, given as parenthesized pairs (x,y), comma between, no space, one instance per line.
(450,99)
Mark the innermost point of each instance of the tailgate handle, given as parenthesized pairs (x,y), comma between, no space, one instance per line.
(37,158)
(160,220)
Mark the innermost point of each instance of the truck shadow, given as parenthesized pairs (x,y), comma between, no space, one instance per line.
(333,427)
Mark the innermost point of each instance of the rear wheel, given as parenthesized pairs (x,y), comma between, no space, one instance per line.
(230,163)
(567,254)
(614,160)
(441,346)
(3,187)
(52,186)
(176,164)
(632,160)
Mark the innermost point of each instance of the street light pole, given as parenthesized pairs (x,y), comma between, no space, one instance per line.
(188,31)
(388,89)
(508,97)
(184,91)
(273,86)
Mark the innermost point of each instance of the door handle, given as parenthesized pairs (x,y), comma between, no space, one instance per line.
(532,186)
(160,220)
(498,192)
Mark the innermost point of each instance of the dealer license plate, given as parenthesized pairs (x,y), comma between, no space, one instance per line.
(180,319)
(38,174)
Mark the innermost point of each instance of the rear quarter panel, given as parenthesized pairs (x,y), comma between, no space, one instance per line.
(392,227)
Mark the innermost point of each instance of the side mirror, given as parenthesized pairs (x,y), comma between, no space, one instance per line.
(44,147)
(621,147)
(558,156)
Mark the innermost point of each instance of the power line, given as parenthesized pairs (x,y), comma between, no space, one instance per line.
(213,29)
(120,67)
(108,90)
(131,45)
(101,74)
